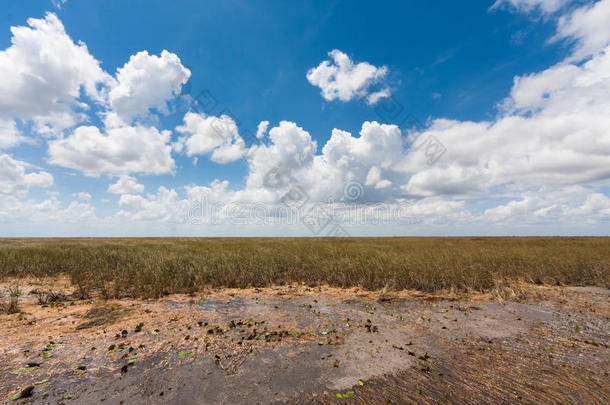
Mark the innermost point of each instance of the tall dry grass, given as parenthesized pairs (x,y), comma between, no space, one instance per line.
(154,267)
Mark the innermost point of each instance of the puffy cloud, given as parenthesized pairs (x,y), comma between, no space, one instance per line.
(290,161)
(76,211)
(163,206)
(42,73)
(594,205)
(550,145)
(126,185)
(368,164)
(373,98)
(209,134)
(49,215)
(15,181)
(342,79)
(9,135)
(42,77)
(167,206)
(373,178)
(122,150)
(589,26)
(545,6)
(272,166)
(217,192)
(555,132)
(145,82)
(262,129)
(84,196)
(572,203)
(368,160)
(564,89)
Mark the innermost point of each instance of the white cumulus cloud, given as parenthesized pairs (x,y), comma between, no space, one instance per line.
(343,79)
(42,74)
(588,26)
(15,180)
(121,150)
(126,185)
(9,135)
(261,130)
(272,166)
(163,206)
(145,82)
(208,134)
(83,196)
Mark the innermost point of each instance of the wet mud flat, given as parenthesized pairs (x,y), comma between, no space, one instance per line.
(296,344)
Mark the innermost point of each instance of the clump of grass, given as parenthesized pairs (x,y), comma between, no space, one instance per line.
(12,307)
(46,297)
(114,268)
(14,291)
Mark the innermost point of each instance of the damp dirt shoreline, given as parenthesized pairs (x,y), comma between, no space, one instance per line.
(297,344)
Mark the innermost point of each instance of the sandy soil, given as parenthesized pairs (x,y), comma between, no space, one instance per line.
(301,345)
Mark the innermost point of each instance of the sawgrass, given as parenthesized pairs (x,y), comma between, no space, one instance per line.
(153,267)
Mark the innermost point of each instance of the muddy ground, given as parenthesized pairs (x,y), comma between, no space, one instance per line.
(295,344)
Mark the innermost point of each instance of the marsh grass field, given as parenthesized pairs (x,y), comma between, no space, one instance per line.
(150,268)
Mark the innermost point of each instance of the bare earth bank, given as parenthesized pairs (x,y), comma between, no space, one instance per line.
(299,345)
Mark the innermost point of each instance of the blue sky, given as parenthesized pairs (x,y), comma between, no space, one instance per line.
(489,82)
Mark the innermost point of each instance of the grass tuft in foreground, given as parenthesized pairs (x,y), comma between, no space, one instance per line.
(116,268)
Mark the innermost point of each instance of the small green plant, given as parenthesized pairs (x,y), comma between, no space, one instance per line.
(345,395)
(185,355)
